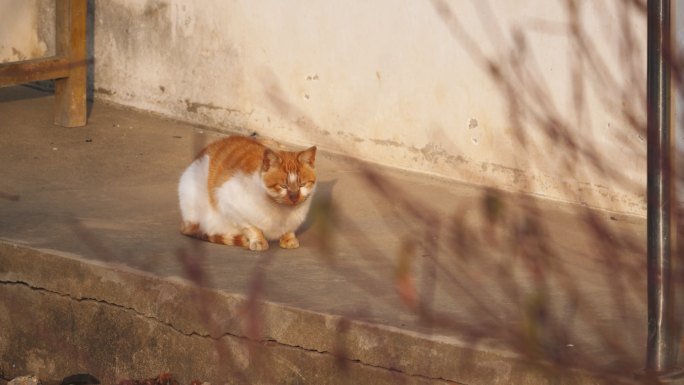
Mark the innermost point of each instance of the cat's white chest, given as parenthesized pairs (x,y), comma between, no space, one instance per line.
(242,200)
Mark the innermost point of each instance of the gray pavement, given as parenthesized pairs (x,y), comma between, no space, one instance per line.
(461,266)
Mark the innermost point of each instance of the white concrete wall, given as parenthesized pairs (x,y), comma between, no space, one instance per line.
(405,83)
(26,29)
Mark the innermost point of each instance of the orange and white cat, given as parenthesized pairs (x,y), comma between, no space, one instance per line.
(240,192)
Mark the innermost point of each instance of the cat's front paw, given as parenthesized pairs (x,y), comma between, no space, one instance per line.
(258,244)
(289,241)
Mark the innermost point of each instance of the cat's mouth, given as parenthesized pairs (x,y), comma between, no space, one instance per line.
(291,202)
(293,199)
(293,196)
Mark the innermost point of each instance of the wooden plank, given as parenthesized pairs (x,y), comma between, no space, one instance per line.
(33,70)
(70,91)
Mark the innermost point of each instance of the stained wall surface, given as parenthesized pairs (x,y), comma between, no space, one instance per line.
(538,96)
(27,29)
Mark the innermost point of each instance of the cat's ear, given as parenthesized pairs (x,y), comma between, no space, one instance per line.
(307,156)
(271,159)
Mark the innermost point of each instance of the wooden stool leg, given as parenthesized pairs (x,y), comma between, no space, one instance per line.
(70,92)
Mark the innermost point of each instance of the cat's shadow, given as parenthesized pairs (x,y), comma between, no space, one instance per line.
(321,205)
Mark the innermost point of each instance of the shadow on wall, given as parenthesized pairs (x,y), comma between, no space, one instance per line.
(90,55)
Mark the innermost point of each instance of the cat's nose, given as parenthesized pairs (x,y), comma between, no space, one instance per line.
(294,196)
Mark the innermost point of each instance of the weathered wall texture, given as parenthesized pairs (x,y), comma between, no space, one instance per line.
(536,96)
(404,83)
(27,29)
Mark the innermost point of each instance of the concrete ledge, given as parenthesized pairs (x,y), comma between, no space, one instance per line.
(60,314)
(91,257)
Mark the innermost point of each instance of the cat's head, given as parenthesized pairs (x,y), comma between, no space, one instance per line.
(289,177)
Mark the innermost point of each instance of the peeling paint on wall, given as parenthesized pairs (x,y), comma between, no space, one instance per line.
(26,29)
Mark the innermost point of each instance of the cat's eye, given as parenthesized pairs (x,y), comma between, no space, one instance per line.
(283,186)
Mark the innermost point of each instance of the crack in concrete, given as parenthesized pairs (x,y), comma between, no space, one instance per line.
(223,334)
(118,306)
(359,362)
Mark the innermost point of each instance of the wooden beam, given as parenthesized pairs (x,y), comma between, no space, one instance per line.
(33,70)
(70,90)
(69,67)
